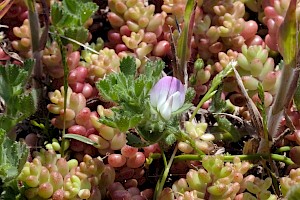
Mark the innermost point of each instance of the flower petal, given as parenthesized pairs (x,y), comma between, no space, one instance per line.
(177,88)
(177,102)
(159,93)
(174,86)
(166,109)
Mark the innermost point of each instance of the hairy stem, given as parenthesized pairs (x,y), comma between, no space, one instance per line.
(228,158)
(160,184)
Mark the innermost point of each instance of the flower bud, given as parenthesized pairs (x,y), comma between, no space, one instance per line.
(199,64)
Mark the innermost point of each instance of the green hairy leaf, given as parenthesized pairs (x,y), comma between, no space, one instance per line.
(128,66)
(122,120)
(218,105)
(69,17)
(189,95)
(126,91)
(13,156)
(12,190)
(135,141)
(80,34)
(72,13)
(170,139)
(225,125)
(133,110)
(20,103)
(13,79)
(153,69)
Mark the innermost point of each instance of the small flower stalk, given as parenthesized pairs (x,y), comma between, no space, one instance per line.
(167,96)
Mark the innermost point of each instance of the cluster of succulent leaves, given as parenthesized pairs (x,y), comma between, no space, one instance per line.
(20,102)
(130,92)
(68,19)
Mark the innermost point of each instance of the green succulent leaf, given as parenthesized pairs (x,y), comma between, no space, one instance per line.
(294,192)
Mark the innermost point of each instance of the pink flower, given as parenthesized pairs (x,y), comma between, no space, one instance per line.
(167,96)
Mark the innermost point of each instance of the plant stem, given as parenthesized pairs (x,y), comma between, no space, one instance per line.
(283,149)
(76,42)
(276,157)
(160,184)
(66,72)
(215,83)
(206,97)
(35,44)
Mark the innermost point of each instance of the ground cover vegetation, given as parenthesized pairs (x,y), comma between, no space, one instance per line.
(149,99)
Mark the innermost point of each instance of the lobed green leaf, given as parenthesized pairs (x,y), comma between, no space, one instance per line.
(225,125)
(20,104)
(13,156)
(80,34)
(128,66)
(218,105)
(135,141)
